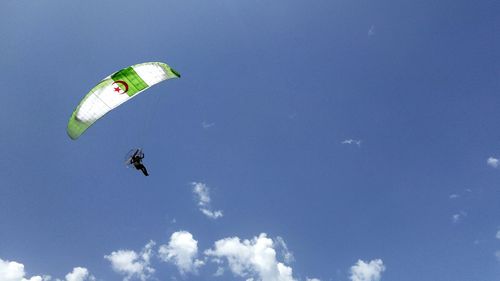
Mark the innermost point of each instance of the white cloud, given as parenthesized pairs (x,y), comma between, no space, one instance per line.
(284,251)
(253,259)
(312,279)
(493,162)
(497,255)
(207,125)
(14,271)
(456,218)
(202,193)
(454,196)
(132,264)
(352,141)
(498,234)
(371,31)
(371,271)
(181,250)
(79,274)
(211,214)
(219,272)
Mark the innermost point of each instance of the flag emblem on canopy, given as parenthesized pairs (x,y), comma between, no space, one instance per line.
(117,87)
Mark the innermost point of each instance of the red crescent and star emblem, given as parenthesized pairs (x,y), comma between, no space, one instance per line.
(117,87)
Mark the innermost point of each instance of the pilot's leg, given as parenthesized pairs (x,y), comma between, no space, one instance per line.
(144,171)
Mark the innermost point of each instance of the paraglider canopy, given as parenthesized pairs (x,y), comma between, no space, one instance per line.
(114,90)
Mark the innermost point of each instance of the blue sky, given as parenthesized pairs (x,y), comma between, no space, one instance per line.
(270,95)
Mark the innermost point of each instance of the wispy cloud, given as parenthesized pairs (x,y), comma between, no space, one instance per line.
(454,196)
(371,271)
(371,31)
(498,234)
(181,250)
(283,250)
(206,125)
(220,271)
(212,214)
(132,264)
(352,141)
(202,193)
(492,162)
(456,218)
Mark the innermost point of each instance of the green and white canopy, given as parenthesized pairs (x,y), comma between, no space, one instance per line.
(114,90)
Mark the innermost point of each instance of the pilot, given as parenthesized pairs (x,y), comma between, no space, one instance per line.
(136,160)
